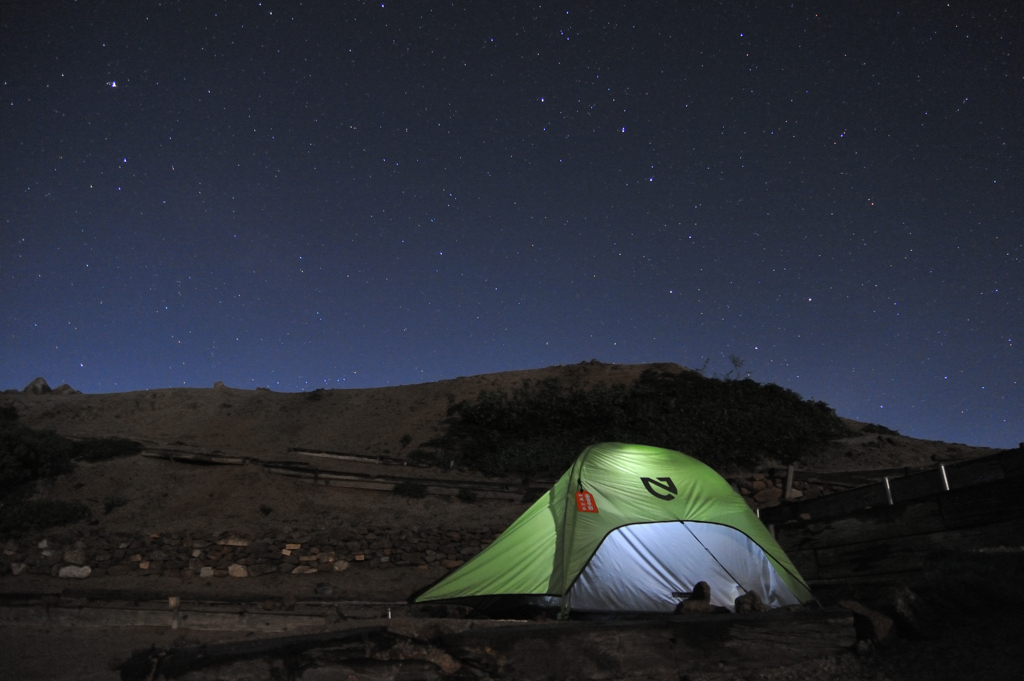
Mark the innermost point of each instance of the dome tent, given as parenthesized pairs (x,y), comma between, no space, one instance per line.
(629,528)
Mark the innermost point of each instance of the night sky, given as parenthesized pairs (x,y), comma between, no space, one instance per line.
(346,195)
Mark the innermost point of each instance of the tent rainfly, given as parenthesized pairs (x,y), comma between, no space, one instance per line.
(629,528)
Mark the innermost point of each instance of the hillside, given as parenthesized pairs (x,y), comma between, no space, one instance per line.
(166,527)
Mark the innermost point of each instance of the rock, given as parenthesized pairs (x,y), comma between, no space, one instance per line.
(233,541)
(701,592)
(206,571)
(699,600)
(303,570)
(750,602)
(450,564)
(37,387)
(75,556)
(66,389)
(261,569)
(75,572)
(236,570)
(340,565)
(18,568)
(219,385)
(323,589)
(912,615)
(870,625)
(769,495)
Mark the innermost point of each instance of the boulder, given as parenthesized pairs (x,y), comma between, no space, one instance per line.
(870,625)
(75,572)
(237,570)
(750,602)
(699,600)
(37,387)
(66,389)
(769,495)
(914,617)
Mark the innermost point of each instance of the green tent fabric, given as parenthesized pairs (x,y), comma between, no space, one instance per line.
(631,528)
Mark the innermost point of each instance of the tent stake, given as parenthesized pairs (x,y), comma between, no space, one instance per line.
(788,495)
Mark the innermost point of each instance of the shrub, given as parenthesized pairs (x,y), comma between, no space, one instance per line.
(26,515)
(27,455)
(101,449)
(542,427)
(413,490)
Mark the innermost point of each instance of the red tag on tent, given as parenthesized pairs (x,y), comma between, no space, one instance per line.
(585,502)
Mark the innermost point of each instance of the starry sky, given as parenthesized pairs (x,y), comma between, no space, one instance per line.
(343,194)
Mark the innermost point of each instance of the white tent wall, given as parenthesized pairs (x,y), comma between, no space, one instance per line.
(638,568)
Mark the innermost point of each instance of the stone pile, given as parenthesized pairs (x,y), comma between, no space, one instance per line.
(86,552)
(761,490)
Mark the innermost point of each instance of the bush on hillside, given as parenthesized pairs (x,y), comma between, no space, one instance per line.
(540,428)
(25,515)
(28,455)
(102,448)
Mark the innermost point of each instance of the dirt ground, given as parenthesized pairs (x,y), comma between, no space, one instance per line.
(168,497)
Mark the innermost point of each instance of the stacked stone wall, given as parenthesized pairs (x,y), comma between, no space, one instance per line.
(90,552)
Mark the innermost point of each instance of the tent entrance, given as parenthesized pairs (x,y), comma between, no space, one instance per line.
(639,567)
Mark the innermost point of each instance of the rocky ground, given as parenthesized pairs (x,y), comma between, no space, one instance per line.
(241,532)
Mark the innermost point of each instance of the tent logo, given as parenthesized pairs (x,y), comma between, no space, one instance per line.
(664,484)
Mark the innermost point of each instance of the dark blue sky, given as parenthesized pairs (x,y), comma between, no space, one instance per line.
(340,194)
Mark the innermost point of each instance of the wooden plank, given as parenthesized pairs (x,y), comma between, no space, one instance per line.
(916,486)
(982,503)
(193,457)
(654,649)
(840,503)
(805,561)
(906,554)
(868,585)
(975,472)
(149,664)
(886,522)
(345,456)
(42,616)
